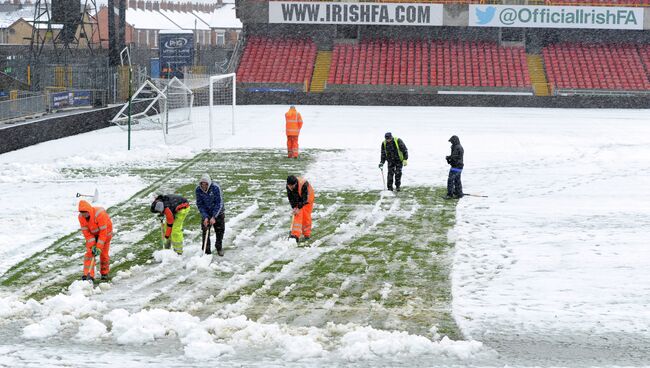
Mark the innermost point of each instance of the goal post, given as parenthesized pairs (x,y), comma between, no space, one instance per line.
(222,102)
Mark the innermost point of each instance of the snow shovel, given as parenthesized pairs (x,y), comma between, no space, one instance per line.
(93,198)
(206,240)
(383,180)
(162,234)
(92,267)
(293,216)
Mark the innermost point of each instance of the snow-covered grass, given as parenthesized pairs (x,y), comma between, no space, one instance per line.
(549,270)
(375,259)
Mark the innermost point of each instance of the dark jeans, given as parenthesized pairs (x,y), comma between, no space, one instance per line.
(454,186)
(394,168)
(219,228)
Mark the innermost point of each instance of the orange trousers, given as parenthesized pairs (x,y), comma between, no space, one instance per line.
(292,146)
(104,259)
(302,221)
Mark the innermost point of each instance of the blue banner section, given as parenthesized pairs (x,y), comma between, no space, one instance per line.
(176,51)
(155,67)
(61,100)
(81,98)
(265,89)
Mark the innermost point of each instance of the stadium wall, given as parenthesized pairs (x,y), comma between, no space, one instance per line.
(405,99)
(53,127)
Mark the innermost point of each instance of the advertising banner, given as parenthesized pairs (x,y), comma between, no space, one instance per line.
(592,17)
(62,100)
(405,14)
(176,51)
(81,98)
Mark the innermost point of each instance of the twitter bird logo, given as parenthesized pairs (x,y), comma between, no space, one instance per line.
(485,16)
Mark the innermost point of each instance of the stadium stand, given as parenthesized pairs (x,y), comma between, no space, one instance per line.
(644,52)
(385,63)
(269,60)
(596,66)
(429,63)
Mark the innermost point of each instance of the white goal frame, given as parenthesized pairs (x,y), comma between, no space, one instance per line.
(122,116)
(213,79)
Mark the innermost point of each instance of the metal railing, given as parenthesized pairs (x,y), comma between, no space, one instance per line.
(21,108)
(236,54)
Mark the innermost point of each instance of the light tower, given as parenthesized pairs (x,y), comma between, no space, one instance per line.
(65,25)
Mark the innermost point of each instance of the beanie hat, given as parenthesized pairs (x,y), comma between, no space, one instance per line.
(291,180)
(388,135)
(159,207)
(205,178)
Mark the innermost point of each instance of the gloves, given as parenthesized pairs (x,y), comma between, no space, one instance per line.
(406,162)
(168,244)
(448,158)
(96,251)
(381,166)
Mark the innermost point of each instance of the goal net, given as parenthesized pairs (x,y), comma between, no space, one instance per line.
(160,104)
(177,123)
(144,110)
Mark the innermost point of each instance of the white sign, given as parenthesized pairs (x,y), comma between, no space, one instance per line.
(355,13)
(555,16)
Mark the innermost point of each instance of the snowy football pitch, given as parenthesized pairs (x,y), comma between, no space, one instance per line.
(549,270)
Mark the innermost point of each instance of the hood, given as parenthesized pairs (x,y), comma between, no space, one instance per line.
(454,140)
(85,206)
(205,178)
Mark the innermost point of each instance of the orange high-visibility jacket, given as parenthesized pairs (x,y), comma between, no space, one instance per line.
(98,225)
(310,190)
(294,122)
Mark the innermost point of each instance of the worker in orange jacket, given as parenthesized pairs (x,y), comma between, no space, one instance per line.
(293,126)
(97,229)
(301,198)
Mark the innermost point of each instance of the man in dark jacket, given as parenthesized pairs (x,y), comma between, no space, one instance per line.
(395,152)
(209,200)
(455,160)
(301,198)
(174,208)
